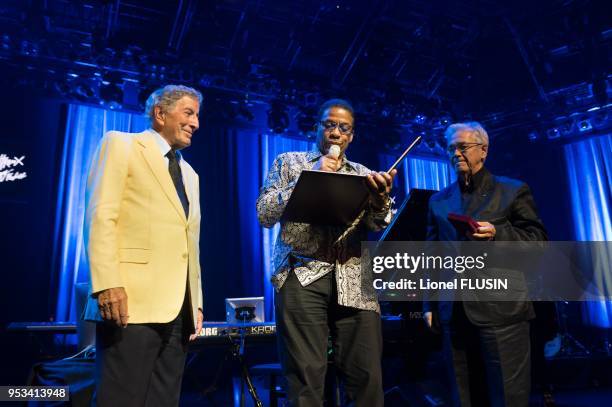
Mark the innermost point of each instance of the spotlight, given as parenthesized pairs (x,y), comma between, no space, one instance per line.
(392,140)
(430,143)
(533,135)
(434,145)
(62,88)
(440,148)
(310,99)
(112,94)
(278,118)
(244,111)
(444,121)
(143,95)
(553,133)
(584,125)
(85,91)
(5,43)
(420,119)
(305,121)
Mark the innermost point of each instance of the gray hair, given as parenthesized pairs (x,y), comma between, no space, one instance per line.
(167,97)
(473,127)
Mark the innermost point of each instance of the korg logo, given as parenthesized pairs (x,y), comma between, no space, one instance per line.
(209,332)
(263,330)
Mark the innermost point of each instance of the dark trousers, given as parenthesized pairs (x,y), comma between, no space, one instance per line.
(305,318)
(489,366)
(142,364)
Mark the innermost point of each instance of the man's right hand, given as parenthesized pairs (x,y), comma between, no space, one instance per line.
(327,163)
(113,305)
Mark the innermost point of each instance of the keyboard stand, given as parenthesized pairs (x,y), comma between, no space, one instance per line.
(238,354)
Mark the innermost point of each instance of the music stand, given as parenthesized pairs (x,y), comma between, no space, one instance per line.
(326,198)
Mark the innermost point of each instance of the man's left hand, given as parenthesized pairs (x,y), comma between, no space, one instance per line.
(379,185)
(198,326)
(486,231)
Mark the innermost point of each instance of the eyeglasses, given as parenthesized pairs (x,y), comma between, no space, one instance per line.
(462,147)
(330,125)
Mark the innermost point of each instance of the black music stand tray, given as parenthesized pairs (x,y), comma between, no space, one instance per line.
(326,198)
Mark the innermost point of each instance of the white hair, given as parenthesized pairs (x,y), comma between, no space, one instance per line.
(473,127)
(167,97)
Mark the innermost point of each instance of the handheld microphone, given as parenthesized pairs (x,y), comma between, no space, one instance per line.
(334,151)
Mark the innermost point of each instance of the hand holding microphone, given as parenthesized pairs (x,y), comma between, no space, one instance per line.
(331,161)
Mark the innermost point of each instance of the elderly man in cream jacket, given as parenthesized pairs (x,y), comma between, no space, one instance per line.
(142,231)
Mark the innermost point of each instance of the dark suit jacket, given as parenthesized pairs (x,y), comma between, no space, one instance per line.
(507,204)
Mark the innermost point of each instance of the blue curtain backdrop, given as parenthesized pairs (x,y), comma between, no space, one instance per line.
(418,172)
(270,147)
(230,246)
(85,126)
(589,171)
(233,164)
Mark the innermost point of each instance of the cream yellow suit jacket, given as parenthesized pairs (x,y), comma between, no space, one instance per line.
(136,232)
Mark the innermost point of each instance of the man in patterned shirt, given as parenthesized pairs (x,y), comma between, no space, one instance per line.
(320,288)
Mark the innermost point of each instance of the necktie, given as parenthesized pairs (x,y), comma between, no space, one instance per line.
(177,178)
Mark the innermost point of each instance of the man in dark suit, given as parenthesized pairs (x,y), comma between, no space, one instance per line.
(486,343)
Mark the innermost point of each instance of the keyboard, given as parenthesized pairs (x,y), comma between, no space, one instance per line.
(223,329)
(45,326)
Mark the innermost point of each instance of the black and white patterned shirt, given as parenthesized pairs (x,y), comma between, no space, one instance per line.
(309,249)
